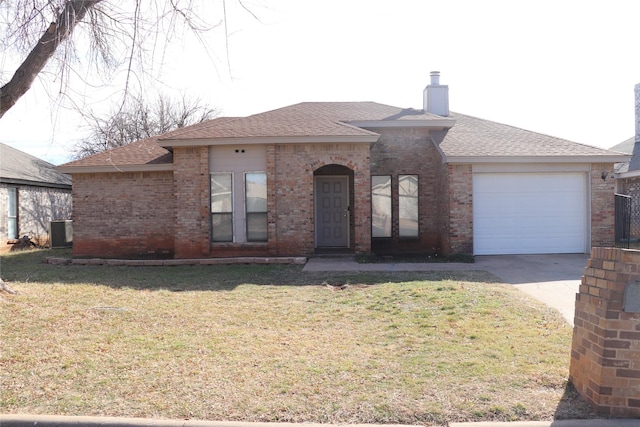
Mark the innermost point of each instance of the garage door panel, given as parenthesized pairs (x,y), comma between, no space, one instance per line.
(529,213)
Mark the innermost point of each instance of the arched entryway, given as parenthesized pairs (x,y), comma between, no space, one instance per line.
(333,212)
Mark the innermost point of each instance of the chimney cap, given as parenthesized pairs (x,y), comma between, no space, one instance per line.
(435,78)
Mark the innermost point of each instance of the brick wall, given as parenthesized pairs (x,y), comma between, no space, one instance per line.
(602,205)
(123,214)
(410,152)
(460,203)
(192,217)
(293,205)
(605,353)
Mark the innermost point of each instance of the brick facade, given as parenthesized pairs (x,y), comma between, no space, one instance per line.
(124,215)
(605,354)
(293,214)
(191,195)
(167,214)
(410,151)
(460,209)
(602,205)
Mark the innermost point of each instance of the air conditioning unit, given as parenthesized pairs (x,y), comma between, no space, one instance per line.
(61,234)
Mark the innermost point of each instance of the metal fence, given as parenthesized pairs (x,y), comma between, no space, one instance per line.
(623,221)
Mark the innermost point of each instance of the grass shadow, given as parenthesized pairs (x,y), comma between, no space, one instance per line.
(30,266)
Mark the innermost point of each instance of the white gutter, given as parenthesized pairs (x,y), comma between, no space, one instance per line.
(622,175)
(538,159)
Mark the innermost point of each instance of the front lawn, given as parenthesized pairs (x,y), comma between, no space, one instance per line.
(270,343)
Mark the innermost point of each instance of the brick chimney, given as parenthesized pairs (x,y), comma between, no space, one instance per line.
(435,98)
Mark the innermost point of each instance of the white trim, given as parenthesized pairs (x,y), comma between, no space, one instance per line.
(531,168)
(164,167)
(623,175)
(168,143)
(537,159)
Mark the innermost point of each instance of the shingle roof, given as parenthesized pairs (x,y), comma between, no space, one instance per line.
(628,146)
(300,120)
(143,152)
(19,167)
(470,137)
(474,137)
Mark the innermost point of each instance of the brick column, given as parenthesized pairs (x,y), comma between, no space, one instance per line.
(460,209)
(191,183)
(602,205)
(605,354)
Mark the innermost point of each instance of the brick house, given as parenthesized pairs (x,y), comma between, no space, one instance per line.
(354,177)
(32,194)
(627,174)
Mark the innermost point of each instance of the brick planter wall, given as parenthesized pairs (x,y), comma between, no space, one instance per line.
(605,354)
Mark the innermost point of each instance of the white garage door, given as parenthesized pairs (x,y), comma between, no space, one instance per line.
(529,213)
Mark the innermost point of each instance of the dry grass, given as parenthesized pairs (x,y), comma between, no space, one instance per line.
(274,344)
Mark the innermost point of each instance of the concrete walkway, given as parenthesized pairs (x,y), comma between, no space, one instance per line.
(551,279)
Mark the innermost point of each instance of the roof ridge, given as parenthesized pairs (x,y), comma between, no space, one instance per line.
(207,124)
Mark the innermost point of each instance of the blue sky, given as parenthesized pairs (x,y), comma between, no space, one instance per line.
(565,68)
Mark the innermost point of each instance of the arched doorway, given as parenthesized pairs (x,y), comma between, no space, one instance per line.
(333,198)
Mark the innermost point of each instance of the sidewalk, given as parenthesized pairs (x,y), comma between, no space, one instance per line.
(11,420)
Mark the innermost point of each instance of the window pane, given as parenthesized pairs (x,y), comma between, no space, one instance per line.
(381,206)
(256,187)
(13,202)
(408,205)
(12,220)
(256,227)
(222,227)
(221,193)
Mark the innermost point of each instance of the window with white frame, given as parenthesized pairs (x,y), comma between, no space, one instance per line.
(408,205)
(256,206)
(238,193)
(222,207)
(381,206)
(12,213)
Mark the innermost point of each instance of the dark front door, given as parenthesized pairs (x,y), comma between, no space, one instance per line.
(332,211)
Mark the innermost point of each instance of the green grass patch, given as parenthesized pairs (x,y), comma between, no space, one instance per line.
(270,343)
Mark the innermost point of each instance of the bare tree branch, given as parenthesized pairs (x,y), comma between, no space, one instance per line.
(139,119)
(73,12)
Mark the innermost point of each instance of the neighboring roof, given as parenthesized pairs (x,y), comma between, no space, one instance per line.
(144,154)
(628,146)
(478,140)
(313,121)
(625,146)
(18,167)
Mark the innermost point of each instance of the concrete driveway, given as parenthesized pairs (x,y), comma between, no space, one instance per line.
(551,279)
